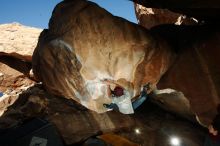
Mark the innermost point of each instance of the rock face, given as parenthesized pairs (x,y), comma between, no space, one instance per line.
(12,83)
(155,126)
(85,45)
(84,48)
(193,4)
(18,40)
(202,10)
(150,17)
(196,71)
(174,101)
(17,43)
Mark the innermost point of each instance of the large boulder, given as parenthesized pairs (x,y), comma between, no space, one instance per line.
(17,44)
(149,126)
(18,40)
(202,10)
(196,70)
(12,83)
(86,45)
(150,17)
(193,78)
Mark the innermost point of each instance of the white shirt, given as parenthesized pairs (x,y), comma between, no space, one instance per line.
(124,103)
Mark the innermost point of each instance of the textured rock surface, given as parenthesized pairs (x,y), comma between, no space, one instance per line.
(12,83)
(150,17)
(155,125)
(184,3)
(17,43)
(175,102)
(18,40)
(85,45)
(202,10)
(15,62)
(80,50)
(196,70)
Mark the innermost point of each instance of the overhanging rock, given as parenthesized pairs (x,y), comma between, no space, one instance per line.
(85,45)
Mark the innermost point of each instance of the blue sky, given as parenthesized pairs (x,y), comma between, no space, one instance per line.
(36,13)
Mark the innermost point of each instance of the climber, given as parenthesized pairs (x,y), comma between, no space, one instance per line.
(1,94)
(121,100)
(143,96)
(213,138)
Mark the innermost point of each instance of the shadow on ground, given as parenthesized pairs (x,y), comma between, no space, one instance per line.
(149,126)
